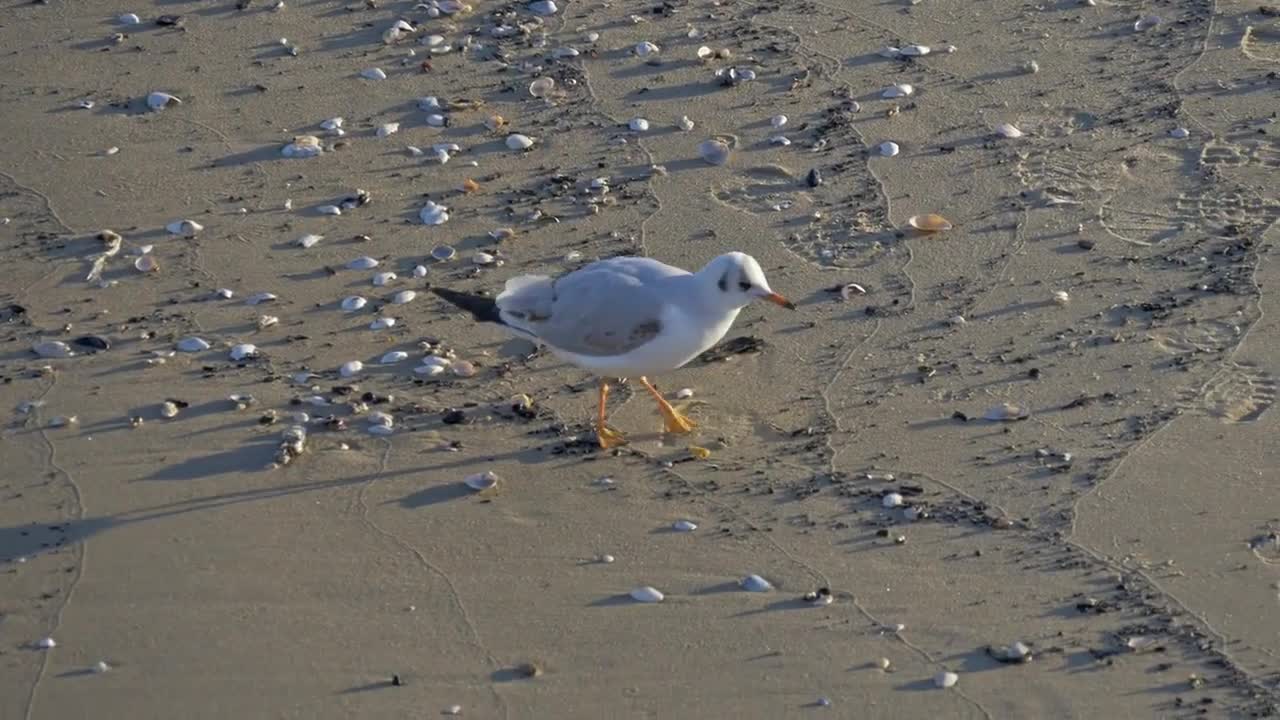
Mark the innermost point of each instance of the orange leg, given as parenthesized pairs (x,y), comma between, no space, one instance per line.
(672,419)
(607,436)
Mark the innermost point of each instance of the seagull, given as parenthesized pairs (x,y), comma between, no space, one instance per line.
(626,317)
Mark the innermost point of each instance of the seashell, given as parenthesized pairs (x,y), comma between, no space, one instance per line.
(52,349)
(158,101)
(1006,130)
(308,241)
(329,210)
(46,643)
(62,421)
(945,679)
(684,393)
(394,357)
(244,351)
(259,298)
(437,120)
(887,149)
(481,482)
(192,344)
(897,91)
(430,102)
(434,214)
(705,52)
(591,37)
(470,186)
(646,594)
(1007,412)
(386,129)
(915,50)
(129,19)
(890,52)
(382,323)
(646,49)
(684,123)
(364,262)
(755,583)
(698,452)
(353,303)
(430,370)
(403,297)
(464,368)
(821,596)
(778,121)
(1017,652)
(483,258)
(929,223)
(493,122)
(638,124)
(543,8)
(302,146)
(891,500)
(516,141)
(1147,22)
(101,666)
(169,409)
(185,228)
(1061,297)
(733,76)
(373,73)
(541,87)
(502,233)
(714,151)
(684,526)
(146,263)
(350,369)
(1179,133)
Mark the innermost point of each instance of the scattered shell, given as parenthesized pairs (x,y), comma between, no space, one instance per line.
(684,393)
(373,74)
(382,323)
(779,140)
(302,146)
(929,223)
(47,643)
(259,298)
(646,49)
(646,594)
(1031,67)
(888,149)
(128,19)
(883,663)
(1007,412)
(403,297)
(1007,130)
(945,679)
(1146,22)
(267,321)
(158,101)
(420,271)
(543,7)
(329,210)
(892,500)
(714,151)
(821,596)
(394,357)
(502,233)
(890,52)
(332,124)
(308,241)
(101,666)
(1061,297)
(684,526)
(457,709)
(169,409)
(778,121)
(516,141)
(63,421)
(464,368)
(483,258)
(1017,652)
(541,87)
(146,263)
(849,290)
(684,123)
(1179,133)
(364,262)
(353,303)
(443,252)
(755,583)
(386,129)
(192,344)
(185,228)
(481,481)
(915,50)
(351,369)
(638,124)
(493,122)
(52,349)
(434,214)
(244,351)
(897,91)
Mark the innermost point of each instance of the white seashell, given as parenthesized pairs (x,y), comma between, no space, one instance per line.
(397,32)
(1147,22)
(542,87)
(591,37)
(890,52)
(897,91)
(47,643)
(516,141)
(429,370)
(684,393)
(646,48)
(1006,412)
(101,666)
(420,271)
(945,679)
(224,293)
(192,344)
(463,368)
(129,19)
(403,297)
(434,214)
(394,357)
(443,252)
(437,120)
(380,430)
(778,121)
(88,105)
(646,594)
(705,52)
(364,262)
(186,228)
(481,481)
(684,526)
(1179,133)
(1007,130)
(543,7)
(329,210)
(564,52)
(430,102)
(334,123)
(892,500)
(1061,297)
(386,129)
(158,101)
(308,241)
(755,583)
(259,298)
(52,349)
(457,709)
(779,140)
(915,50)
(888,149)
(146,263)
(350,369)
(382,323)
(373,74)
(483,258)
(302,146)
(244,351)
(638,124)
(353,303)
(715,152)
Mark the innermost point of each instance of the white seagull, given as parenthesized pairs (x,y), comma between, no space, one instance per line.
(626,317)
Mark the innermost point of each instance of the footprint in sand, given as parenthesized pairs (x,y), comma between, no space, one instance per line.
(1062,176)
(764,190)
(1209,337)
(1239,394)
(1261,43)
(1263,153)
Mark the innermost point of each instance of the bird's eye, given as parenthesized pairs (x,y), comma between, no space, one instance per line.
(744,286)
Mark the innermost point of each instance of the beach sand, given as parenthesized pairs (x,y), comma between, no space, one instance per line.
(1104,294)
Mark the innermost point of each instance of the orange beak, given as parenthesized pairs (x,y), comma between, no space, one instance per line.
(777,299)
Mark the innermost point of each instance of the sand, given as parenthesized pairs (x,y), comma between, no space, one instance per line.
(1122,524)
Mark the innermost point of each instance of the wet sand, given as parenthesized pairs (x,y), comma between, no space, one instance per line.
(1120,523)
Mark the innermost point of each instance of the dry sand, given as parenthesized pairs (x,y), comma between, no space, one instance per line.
(1141,572)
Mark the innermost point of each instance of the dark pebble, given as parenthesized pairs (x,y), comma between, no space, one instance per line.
(93,342)
(1086,244)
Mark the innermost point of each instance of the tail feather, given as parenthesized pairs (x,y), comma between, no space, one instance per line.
(481,307)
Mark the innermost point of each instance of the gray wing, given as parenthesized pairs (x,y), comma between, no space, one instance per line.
(594,311)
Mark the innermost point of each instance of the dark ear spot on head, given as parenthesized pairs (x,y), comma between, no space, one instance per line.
(723,282)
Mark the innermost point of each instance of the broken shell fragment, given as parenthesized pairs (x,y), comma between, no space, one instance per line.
(382,323)
(373,74)
(309,240)
(481,482)
(899,90)
(192,344)
(915,50)
(434,214)
(684,123)
(646,594)
(684,526)
(516,141)
(945,679)
(714,151)
(1006,130)
(386,129)
(158,101)
(755,583)
(929,223)
(1179,133)
(244,351)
